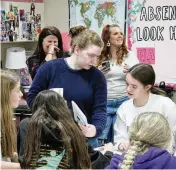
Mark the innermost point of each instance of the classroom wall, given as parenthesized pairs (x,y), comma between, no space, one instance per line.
(56,13)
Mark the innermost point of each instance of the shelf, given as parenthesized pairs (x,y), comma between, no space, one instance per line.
(13,42)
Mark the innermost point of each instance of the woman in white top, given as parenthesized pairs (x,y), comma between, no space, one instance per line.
(140,81)
(114,61)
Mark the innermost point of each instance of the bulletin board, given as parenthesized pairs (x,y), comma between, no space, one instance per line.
(21,20)
(151,30)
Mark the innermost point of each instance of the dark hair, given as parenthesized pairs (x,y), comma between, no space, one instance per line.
(39,52)
(145,74)
(105,55)
(49,107)
(82,37)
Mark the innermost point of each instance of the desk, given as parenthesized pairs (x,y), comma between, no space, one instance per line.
(21,112)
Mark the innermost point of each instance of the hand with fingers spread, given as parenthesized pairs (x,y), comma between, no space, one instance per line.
(107,147)
(123,146)
(88,130)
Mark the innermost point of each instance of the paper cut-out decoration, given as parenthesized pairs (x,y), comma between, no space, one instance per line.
(146,55)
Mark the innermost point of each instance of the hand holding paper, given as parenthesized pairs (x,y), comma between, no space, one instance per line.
(78,114)
(88,130)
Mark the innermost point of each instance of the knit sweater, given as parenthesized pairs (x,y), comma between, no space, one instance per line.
(87,88)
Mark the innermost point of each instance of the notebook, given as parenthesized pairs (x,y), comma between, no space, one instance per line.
(78,114)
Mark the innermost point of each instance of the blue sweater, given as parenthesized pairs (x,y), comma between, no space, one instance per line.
(86,87)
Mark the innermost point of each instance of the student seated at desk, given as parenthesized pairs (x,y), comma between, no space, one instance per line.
(10,97)
(150,145)
(140,87)
(49,136)
(52,125)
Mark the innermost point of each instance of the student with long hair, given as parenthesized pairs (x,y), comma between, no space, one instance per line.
(10,98)
(140,81)
(119,60)
(80,80)
(150,147)
(49,47)
(51,138)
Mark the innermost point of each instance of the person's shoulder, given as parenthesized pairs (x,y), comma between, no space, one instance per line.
(173,162)
(24,123)
(115,161)
(96,72)
(127,103)
(130,53)
(162,99)
(131,58)
(125,107)
(52,63)
(33,59)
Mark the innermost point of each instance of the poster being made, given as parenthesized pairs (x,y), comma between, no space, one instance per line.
(151,30)
(96,13)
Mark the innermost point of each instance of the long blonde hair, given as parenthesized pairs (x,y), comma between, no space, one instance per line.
(8,130)
(149,129)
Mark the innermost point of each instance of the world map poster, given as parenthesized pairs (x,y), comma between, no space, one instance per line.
(96,13)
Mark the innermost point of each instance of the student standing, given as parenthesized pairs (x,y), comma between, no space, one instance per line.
(80,80)
(120,59)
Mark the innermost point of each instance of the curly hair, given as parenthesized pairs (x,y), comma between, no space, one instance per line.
(106,53)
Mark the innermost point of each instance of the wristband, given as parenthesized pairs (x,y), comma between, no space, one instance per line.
(50,53)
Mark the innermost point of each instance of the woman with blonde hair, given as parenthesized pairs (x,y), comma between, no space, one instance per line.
(10,97)
(150,145)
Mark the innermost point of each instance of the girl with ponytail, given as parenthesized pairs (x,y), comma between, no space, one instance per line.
(140,81)
(150,145)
